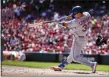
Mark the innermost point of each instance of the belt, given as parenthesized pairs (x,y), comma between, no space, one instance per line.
(81,36)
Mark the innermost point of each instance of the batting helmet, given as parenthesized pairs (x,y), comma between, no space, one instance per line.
(77,9)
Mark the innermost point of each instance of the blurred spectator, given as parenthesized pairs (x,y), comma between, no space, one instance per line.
(56,16)
(17,11)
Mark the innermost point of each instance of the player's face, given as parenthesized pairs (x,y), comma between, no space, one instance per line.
(78,15)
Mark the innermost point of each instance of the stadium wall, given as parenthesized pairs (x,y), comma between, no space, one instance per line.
(46,57)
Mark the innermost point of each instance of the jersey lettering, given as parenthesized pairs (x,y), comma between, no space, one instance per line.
(84,21)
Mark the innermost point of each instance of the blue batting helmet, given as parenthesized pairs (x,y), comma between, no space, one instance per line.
(77,9)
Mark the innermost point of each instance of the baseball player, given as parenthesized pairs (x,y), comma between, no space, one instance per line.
(80,26)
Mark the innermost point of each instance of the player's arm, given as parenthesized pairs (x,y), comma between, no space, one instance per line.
(68,24)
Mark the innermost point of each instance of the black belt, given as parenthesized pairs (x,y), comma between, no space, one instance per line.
(81,36)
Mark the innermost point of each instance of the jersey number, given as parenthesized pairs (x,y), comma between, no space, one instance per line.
(84,28)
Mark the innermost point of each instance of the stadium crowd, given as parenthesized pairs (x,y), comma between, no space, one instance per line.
(23,31)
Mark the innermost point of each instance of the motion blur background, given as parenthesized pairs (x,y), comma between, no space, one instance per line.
(22,31)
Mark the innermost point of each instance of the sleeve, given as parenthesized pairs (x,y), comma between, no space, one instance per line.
(71,24)
(90,22)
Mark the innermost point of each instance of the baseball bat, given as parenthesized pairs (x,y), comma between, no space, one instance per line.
(60,19)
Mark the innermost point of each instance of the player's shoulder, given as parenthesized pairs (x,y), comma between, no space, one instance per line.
(86,13)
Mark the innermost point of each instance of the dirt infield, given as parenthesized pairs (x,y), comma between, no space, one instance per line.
(26,71)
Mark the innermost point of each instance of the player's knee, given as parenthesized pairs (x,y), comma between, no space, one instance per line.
(75,58)
(69,59)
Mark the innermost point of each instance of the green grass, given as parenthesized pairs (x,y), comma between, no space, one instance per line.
(49,64)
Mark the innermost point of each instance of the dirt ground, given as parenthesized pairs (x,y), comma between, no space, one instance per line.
(26,71)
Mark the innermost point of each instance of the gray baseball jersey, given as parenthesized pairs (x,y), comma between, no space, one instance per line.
(80,26)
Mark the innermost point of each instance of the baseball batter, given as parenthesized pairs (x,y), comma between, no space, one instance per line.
(80,26)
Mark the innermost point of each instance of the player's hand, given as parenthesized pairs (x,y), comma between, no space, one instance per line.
(65,24)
